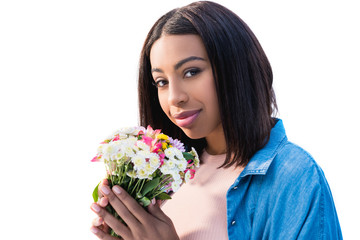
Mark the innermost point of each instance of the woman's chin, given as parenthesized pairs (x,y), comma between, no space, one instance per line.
(192,134)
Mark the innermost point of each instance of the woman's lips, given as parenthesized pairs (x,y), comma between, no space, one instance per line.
(186,118)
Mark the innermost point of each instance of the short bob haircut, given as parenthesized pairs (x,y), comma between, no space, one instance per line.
(242,74)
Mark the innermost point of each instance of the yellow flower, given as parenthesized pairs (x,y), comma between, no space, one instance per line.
(162,137)
(164,145)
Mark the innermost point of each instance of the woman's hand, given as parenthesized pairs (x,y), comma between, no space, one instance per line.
(103,202)
(141,225)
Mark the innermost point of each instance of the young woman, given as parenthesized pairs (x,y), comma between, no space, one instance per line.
(205,79)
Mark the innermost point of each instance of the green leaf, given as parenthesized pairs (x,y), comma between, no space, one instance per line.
(163,196)
(150,186)
(96,193)
(144,201)
(188,156)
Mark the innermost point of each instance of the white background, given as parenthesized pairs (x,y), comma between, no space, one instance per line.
(68,78)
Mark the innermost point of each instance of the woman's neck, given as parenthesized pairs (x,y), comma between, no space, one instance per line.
(216,143)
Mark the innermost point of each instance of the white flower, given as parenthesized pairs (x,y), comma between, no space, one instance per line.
(128,130)
(170,163)
(144,153)
(142,174)
(178,154)
(143,146)
(187,176)
(175,175)
(131,140)
(170,152)
(181,165)
(154,160)
(110,149)
(128,150)
(138,161)
(165,169)
(149,169)
(119,155)
(175,185)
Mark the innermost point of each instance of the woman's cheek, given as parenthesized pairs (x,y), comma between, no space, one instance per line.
(163,104)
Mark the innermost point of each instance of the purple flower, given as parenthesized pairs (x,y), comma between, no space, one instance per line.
(177,144)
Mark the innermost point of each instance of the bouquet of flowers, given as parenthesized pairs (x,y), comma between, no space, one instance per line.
(146,163)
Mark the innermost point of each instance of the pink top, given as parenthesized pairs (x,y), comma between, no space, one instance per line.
(198,208)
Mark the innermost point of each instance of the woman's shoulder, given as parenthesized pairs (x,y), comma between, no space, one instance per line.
(294,167)
(295,188)
(292,155)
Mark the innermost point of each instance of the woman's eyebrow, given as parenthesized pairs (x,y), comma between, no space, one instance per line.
(180,63)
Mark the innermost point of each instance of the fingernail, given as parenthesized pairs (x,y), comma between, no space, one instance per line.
(98,221)
(103,202)
(94,230)
(95,207)
(153,201)
(116,189)
(105,190)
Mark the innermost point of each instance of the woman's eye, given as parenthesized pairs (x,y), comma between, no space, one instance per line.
(192,72)
(160,83)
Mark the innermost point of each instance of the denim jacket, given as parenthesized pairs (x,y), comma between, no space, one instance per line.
(281,194)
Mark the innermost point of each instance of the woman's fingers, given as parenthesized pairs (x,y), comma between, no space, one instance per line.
(103,202)
(97,222)
(139,223)
(131,204)
(103,182)
(111,221)
(155,210)
(101,234)
(126,214)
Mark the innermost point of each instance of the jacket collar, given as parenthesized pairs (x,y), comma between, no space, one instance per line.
(260,162)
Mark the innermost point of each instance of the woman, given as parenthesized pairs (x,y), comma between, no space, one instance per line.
(205,79)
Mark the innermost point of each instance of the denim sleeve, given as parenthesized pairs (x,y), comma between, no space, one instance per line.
(299,204)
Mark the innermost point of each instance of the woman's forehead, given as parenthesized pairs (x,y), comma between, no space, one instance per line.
(171,49)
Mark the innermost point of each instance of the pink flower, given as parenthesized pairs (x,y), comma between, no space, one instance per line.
(96,159)
(156,148)
(162,156)
(150,132)
(147,140)
(116,138)
(192,172)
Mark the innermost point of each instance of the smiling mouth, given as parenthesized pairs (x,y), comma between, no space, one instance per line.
(186,118)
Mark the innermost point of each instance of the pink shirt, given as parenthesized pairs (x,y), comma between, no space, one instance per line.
(198,208)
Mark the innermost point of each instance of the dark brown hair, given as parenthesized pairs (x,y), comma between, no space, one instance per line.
(242,75)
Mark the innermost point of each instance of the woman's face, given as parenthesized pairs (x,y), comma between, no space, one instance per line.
(186,89)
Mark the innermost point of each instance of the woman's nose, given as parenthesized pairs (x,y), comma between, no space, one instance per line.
(178,94)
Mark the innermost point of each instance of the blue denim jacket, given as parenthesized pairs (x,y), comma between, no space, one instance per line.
(281,194)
